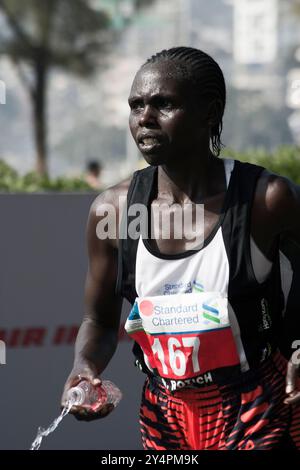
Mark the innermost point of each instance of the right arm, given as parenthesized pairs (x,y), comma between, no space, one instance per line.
(98,335)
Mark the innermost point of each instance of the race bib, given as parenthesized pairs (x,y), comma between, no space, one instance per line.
(183,335)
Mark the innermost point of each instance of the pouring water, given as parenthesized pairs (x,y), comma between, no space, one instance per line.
(83,394)
(45,432)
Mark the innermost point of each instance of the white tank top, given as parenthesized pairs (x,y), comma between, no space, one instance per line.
(206,270)
(162,319)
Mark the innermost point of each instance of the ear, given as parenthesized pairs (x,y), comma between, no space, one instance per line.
(215,111)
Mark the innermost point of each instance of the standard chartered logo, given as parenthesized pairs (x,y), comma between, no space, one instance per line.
(161,321)
(147,308)
(165,310)
(211,313)
(165,314)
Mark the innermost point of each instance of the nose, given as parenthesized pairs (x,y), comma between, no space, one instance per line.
(148,117)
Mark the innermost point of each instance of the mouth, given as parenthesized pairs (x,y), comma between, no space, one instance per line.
(148,144)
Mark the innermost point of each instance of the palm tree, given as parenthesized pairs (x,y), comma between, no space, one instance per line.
(42,34)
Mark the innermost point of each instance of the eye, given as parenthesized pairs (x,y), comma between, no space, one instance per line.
(136,105)
(165,103)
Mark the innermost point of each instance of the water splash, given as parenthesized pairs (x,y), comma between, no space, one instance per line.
(45,432)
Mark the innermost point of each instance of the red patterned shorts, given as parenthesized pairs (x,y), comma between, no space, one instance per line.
(247,415)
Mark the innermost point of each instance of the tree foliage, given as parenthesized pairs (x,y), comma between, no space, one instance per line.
(283,161)
(62,33)
(12,182)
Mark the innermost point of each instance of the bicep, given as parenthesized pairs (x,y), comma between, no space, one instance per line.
(102,305)
(291,212)
(278,204)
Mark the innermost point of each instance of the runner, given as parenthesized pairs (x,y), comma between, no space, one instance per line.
(207,308)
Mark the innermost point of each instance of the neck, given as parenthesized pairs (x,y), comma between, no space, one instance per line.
(193,179)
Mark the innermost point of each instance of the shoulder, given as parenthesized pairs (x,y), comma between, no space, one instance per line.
(111,195)
(276,198)
(275,191)
(116,195)
(108,207)
(272,191)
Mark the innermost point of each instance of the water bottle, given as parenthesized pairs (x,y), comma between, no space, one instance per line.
(89,395)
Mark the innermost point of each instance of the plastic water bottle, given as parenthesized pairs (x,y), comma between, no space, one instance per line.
(85,394)
(89,395)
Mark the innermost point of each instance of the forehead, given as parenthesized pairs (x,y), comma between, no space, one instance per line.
(158,78)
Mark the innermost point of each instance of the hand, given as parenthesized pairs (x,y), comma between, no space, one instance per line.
(292,383)
(85,413)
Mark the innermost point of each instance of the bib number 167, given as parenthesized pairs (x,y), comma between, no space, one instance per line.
(174,357)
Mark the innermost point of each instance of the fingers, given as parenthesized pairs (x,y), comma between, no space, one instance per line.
(85,375)
(83,414)
(293,399)
(96,381)
(291,390)
(74,379)
(291,377)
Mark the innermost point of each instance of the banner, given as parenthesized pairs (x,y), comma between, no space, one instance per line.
(42,273)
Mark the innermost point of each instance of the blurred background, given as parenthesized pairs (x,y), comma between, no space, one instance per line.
(67,66)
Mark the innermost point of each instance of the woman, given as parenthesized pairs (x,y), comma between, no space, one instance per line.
(206,314)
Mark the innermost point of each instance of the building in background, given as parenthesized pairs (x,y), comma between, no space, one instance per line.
(255,31)
(254,41)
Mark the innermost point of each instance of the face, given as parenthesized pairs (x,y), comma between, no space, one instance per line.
(164,123)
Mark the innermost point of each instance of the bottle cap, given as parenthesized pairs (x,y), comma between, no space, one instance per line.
(76,395)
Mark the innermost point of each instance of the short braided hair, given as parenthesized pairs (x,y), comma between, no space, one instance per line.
(206,76)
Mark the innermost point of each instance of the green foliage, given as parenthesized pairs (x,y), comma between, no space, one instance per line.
(283,161)
(10,181)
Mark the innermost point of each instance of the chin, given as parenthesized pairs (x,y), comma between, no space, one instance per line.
(155,159)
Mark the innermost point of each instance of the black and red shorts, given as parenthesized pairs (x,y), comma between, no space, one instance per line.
(246,415)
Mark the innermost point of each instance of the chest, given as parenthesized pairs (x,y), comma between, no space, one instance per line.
(176,228)
(206,270)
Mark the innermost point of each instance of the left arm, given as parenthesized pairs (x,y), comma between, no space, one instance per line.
(283,201)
